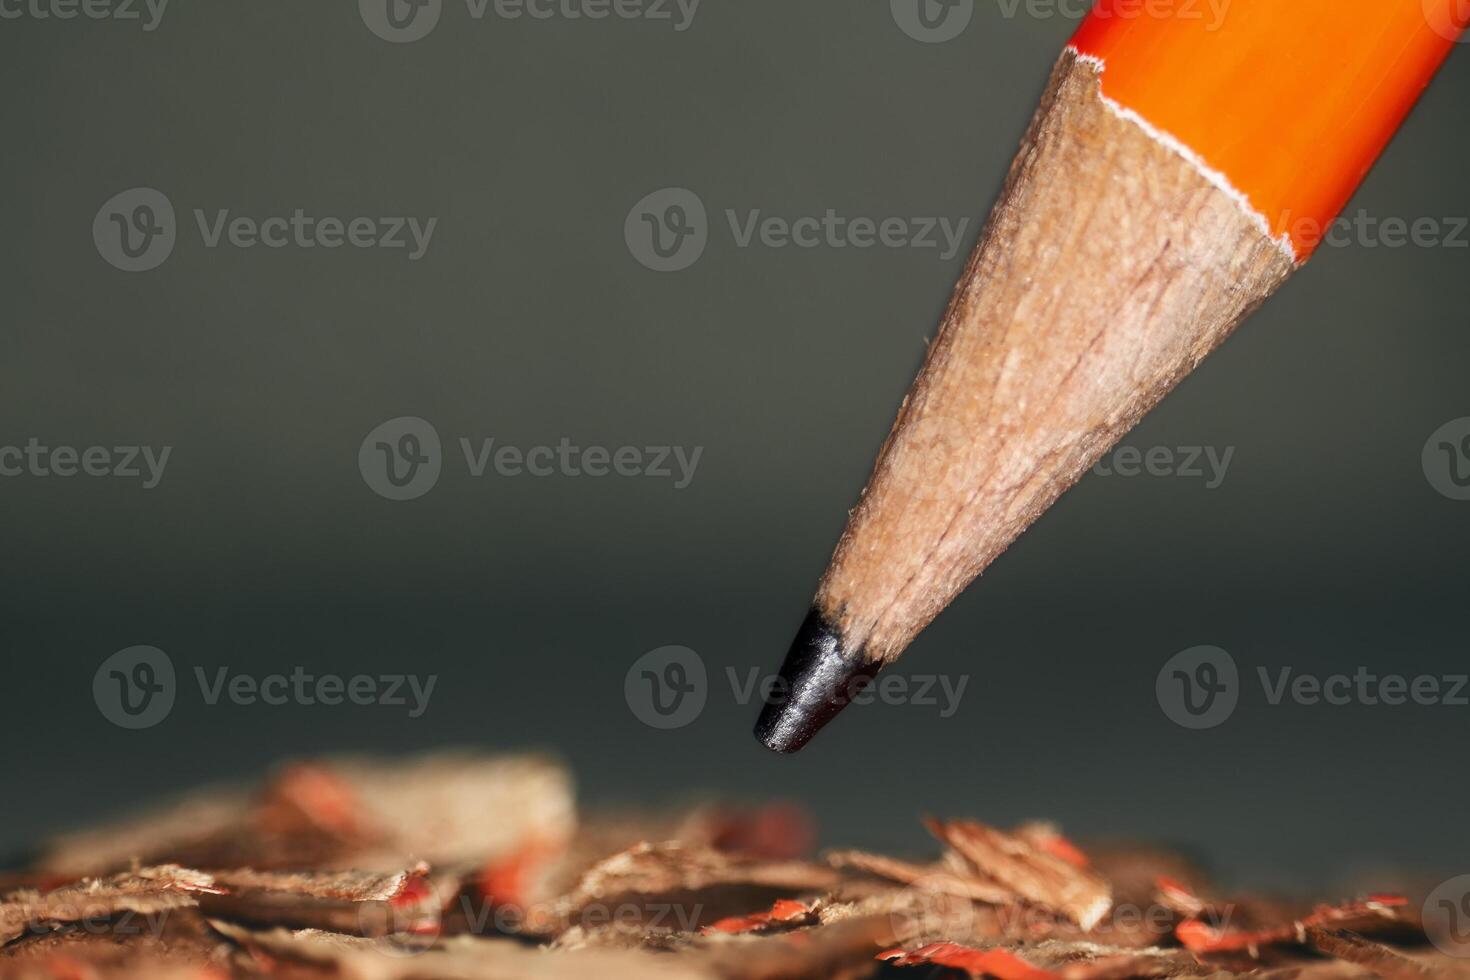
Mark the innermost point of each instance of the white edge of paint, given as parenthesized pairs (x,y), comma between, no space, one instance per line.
(1215,177)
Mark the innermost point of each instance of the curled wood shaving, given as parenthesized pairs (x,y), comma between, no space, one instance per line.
(1382,960)
(146,891)
(1374,912)
(343,813)
(1031,873)
(671,866)
(364,902)
(933,877)
(458,958)
(469,867)
(1052,961)
(344,886)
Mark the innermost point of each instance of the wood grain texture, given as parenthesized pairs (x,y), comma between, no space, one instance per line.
(1109,268)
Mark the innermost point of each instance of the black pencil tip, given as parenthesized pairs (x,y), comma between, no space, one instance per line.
(818,679)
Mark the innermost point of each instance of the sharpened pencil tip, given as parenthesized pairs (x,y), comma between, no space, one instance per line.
(818,679)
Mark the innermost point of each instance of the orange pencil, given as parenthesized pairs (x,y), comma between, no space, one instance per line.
(1178,170)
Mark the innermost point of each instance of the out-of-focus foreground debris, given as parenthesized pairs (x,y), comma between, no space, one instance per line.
(466,867)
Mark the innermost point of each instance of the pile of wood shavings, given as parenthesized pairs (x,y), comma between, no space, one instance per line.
(473,867)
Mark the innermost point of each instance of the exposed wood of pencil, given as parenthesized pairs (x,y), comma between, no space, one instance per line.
(1109,269)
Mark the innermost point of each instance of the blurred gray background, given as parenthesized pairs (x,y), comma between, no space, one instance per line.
(528,320)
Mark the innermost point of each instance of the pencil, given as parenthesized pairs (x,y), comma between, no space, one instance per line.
(1175,174)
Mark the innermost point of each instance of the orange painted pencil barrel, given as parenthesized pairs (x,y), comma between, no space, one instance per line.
(1187,156)
(1290,101)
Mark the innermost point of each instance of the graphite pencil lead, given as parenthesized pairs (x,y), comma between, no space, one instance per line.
(819,678)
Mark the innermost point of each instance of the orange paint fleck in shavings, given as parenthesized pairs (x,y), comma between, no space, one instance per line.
(998,963)
(784,912)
